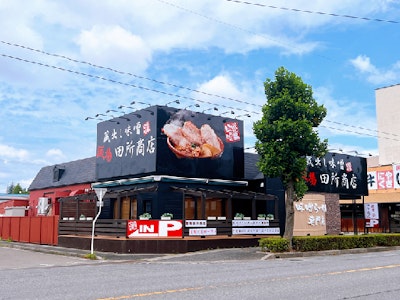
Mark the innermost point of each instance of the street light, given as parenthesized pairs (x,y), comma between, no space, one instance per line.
(245,115)
(212,108)
(229,111)
(100,192)
(195,105)
(122,106)
(175,101)
(133,102)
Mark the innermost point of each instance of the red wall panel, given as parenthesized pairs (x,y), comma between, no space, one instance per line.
(37,230)
(34,234)
(5,230)
(47,230)
(55,236)
(14,228)
(24,229)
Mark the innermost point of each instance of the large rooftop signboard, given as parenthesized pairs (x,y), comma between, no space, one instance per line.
(126,145)
(337,173)
(167,141)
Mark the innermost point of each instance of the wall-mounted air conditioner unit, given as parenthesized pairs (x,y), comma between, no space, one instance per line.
(43,206)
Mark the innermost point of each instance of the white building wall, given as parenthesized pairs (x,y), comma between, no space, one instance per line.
(388,124)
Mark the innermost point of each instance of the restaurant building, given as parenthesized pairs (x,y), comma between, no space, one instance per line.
(177,181)
(159,163)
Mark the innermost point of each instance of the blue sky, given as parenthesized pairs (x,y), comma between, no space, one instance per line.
(217,52)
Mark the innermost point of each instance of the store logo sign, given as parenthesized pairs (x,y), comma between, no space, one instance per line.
(154,228)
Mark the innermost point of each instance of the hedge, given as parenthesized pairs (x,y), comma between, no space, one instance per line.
(326,242)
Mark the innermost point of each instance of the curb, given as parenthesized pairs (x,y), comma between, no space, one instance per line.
(130,257)
(331,252)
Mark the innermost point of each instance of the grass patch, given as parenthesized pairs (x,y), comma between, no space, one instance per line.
(90,256)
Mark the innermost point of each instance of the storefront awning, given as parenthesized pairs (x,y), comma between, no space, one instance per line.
(225,193)
(166,178)
(376,198)
(113,192)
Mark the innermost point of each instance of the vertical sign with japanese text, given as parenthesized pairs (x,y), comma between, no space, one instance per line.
(371,213)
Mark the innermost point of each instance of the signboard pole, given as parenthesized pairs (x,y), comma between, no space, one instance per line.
(100,192)
(355,229)
(365,223)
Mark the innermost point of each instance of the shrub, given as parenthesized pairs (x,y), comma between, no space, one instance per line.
(326,242)
(274,244)
(145,216)
(365,241)
(339,242)
(167,215)
(239,215)
(312,243)
(388,240)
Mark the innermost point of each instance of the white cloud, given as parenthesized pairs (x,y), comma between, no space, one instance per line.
(362,64)
(55,154)
(116,47)
(224,85)
(12,153)
(240,28)
(115,30)
(221,85)
(346,111)
(232,94)
(352,149)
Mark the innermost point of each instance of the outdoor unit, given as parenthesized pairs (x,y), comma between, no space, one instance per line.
(43,206)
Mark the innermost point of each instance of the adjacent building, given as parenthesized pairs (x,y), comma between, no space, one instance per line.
(380,210)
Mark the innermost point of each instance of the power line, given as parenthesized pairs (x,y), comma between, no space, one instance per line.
(180,96)
(377,132)
(358,133)
(127,73)
(314,12)
(277,42)
(159,82)
(120,82)
(141,77)
(169,84)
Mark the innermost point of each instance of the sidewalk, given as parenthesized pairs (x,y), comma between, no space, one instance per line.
(75,252)
(252,253)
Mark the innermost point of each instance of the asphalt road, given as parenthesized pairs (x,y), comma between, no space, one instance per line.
(215,274)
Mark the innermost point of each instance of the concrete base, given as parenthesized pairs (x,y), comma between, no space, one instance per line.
(170,245)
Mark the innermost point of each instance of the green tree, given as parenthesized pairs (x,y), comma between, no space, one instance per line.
(16,189)
(10,188)
(286,135)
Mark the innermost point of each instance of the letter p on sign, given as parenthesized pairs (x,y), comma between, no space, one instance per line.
(372,223)
(170,228)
